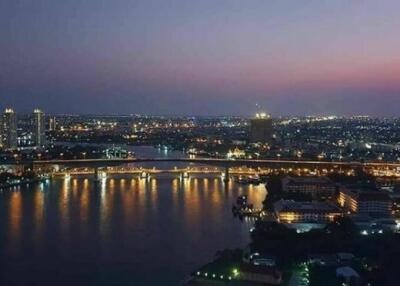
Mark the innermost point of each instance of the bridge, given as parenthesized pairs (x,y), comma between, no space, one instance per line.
(214,162)
(375,168)
(146,172)
(378,169)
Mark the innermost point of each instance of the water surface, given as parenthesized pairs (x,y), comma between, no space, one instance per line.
(122,231)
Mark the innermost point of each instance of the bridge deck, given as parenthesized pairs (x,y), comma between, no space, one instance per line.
(211,161)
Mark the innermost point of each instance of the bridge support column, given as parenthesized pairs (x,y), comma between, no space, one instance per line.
(96,174)
(226,175)
(144,175)
(67,175)
(184,175)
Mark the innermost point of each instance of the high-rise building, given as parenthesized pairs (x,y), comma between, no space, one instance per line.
(39,128)
(52,123)
(9,129)
(261,130)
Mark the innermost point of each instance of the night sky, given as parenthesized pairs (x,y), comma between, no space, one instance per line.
(201,57)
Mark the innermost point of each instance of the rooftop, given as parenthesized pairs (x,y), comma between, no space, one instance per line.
(365,194)
(262,115)
(307,180)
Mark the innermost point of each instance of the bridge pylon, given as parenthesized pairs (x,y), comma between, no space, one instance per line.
(144,175)
(99,174)
(226,175)
(96,174)
(184,175)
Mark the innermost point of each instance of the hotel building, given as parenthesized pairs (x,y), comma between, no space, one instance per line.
(288,211)
(365,201)
(316,187)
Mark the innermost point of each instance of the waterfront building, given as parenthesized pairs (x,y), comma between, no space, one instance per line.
(365,201)
(316,187)
(305,216)
(9,129)
(39,128)
(261,130)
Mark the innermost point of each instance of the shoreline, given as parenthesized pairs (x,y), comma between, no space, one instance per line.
(23,182)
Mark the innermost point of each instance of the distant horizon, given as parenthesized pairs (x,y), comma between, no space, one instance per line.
(245,116)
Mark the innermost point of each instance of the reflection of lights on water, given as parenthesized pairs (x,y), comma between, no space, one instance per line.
(153,184)
(205,181)
(188,184)
(66,184)
(195,184)
(15,216)
(112,183)
(38,210)
(103,186)
(142,184)
(85,183)
(175,185)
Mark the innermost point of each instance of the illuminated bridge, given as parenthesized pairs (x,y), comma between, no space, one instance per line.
(211,161)
(146,172)
(228,165)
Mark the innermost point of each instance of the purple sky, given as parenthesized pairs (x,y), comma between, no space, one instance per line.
(201,57)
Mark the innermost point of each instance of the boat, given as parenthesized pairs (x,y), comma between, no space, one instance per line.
(252,180)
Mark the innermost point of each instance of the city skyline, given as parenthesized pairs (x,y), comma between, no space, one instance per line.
(204,58)
(172,142)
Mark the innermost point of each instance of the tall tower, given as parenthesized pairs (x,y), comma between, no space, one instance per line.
(39,129)
(261,130)
(52,123)
(9,129)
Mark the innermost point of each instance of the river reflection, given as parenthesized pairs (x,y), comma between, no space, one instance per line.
(121,230)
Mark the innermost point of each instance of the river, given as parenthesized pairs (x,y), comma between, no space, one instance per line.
(123,231)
